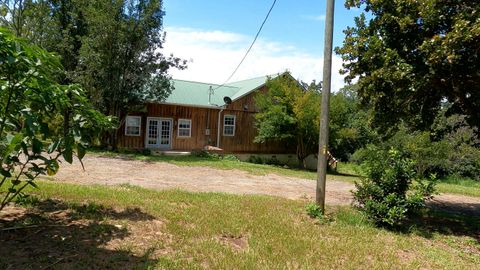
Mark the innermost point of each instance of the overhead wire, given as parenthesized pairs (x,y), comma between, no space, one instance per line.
(249,48)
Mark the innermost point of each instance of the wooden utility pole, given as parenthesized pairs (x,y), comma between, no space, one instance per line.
(323,136)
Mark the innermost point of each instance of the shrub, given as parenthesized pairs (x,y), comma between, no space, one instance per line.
(255,159)
(231,157)
(146,152)
(390,192)
(272,161)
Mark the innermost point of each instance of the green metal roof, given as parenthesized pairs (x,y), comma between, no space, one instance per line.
(197,93)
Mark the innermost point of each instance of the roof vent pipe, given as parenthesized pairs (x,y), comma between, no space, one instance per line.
(210,93)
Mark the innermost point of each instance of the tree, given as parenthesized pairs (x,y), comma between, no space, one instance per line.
(112,48)
(349,124)
(32,104)
(411,56)
(289,113)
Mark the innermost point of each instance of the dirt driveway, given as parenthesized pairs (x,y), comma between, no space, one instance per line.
(161,175)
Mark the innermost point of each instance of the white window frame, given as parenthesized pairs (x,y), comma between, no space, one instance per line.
(139,125)
(189,128)
(234,124)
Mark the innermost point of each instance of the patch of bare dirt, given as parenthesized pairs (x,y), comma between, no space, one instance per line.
(162,175)
(55,236)
(237,243)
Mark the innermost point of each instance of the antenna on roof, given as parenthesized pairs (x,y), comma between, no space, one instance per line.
(211,91)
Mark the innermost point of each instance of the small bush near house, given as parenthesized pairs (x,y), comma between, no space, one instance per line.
(272,161)
(390,193)
(255,159)
(231,158)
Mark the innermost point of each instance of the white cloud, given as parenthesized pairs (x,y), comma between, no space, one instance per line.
(319,18)
(214,55)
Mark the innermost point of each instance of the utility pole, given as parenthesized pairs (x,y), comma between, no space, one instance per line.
(323,136)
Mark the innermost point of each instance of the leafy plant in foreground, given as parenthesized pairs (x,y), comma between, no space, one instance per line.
(390,193)
(32,107)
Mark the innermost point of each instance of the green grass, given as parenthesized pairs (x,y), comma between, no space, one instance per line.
(459,185)
(345,171)
(278,234)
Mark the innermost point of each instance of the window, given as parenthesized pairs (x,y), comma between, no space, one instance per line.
(132,125)
(229,125)
(184,128)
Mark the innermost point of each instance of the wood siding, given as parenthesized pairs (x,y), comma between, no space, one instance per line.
(203,119)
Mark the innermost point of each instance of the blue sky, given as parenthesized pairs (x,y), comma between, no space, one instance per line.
(214,35)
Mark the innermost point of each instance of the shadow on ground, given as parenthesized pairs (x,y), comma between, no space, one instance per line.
(448,218)
(53,235)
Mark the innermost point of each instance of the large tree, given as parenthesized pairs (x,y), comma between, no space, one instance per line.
(411,57)
(111,47)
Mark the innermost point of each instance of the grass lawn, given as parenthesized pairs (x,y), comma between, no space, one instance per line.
(346,171)
(126,227)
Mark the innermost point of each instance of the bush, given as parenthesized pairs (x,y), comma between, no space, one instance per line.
(231,158)
(449,150)
(146,152)
(390,192)
(272,161)
(255,159)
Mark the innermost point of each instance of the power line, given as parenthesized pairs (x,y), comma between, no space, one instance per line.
(251,45)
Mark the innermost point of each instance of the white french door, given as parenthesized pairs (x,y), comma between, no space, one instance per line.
(159,133)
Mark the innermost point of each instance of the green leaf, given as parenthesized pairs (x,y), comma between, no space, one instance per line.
(31,183)
(53,146)
(37,146)
(67,154)
(52,167)
(13,143)
(15,182)
(5,173)
(80,151)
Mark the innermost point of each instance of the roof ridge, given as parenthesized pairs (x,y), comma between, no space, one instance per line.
(258,77)
(211,84)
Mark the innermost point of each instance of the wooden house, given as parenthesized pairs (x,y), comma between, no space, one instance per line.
(197,115)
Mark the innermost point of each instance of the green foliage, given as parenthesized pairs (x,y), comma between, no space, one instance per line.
(268,161)
(349,124)
(451,148)
(29,101)
(410,56)
(255,159)
(112,48)
(313,210)
(390,193)
(290,114)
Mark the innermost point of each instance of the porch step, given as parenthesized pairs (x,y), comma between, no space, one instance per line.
(171,153)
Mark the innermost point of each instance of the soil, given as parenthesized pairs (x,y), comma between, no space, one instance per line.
(162,175)
(53,235)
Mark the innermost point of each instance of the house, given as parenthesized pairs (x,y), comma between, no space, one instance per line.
(197,115)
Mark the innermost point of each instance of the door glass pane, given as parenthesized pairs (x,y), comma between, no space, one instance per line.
(152,132)
(165,133)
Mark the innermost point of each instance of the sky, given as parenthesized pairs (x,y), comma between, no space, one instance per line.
(214,35)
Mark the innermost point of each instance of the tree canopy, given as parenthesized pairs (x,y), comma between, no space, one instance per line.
(289,113)
(112,48)
(412,57)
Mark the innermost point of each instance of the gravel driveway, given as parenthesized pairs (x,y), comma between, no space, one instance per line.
(162,175)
